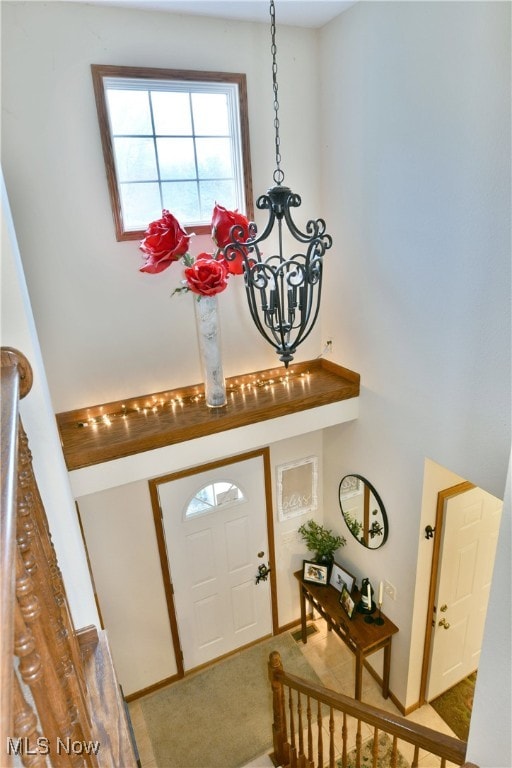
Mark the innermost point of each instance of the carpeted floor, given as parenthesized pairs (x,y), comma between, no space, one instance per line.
(455,706)
(189,722)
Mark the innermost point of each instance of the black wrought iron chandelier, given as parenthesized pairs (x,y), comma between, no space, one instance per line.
(283,292)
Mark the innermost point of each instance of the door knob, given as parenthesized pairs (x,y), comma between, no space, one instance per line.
(443,608)
(261,554)
(444,623)
(263,572)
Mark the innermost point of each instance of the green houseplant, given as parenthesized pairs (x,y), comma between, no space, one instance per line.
(320,540)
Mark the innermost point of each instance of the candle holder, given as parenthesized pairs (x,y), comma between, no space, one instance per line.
(379,620)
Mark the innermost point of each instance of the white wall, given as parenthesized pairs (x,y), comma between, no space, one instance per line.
(106,330)
(17,330)
(416,99)
(493,691)
(122,546)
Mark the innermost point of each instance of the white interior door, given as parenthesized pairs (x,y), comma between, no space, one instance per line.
(215,527)
(470,531)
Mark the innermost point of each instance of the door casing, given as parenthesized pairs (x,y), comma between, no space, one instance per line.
(442,496)
(162,549)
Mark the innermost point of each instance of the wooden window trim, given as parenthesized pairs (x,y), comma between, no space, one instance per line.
(99,71)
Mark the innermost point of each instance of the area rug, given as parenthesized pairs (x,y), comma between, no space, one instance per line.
(310,630)
(220,717)
(455,706)
(384,755)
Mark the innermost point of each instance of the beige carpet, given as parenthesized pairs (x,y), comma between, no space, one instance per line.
(220,717)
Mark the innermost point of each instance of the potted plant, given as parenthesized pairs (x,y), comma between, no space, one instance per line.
(320,540)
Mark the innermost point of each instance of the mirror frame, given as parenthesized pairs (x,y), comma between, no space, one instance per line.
(379,503)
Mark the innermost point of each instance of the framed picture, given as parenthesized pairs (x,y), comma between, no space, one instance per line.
(315,573)
(346,601)
(341,578)
(351,485)
(297,485)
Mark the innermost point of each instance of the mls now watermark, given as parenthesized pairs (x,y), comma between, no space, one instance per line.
(43,746)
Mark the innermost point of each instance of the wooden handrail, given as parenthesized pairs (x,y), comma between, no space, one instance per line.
(446,747)
(16,381)
(9,403)
(50,710)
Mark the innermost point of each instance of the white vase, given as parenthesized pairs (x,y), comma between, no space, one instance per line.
(208,336)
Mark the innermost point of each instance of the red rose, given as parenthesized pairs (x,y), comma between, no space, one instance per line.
(207,276)
(223,222)
(164,243)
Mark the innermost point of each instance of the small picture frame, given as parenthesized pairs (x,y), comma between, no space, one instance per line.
(341,578)
(346,601)
(315,573)
(297,488)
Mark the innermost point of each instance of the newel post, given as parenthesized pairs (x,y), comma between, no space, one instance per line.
(275,667)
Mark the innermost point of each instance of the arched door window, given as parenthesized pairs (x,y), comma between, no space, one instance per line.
(212,496)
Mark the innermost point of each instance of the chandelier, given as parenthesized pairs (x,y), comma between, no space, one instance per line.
(283,292)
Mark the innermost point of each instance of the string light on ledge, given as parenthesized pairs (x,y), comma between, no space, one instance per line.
(156,405)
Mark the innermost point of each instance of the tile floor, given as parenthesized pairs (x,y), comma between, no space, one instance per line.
(334,664)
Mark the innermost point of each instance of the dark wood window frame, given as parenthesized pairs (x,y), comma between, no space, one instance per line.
(101,71)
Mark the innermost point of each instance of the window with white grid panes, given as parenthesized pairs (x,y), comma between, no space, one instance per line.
(174,140)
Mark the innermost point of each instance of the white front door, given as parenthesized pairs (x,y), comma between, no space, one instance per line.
(215,527)
(471,523)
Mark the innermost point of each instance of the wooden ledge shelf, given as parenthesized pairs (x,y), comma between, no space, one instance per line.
(114,430)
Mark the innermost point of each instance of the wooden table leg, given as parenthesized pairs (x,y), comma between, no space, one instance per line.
(303,616)
(359,675)
(387,665)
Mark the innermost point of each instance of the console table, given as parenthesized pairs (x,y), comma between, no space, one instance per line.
(363,639)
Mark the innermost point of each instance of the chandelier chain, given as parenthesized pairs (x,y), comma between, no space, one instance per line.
(278,173)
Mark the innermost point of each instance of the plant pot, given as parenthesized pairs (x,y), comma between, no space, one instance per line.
(327,560)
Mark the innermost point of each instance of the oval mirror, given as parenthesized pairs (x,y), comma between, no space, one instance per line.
(363,511)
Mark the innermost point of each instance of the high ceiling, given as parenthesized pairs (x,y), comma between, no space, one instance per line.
(302,13)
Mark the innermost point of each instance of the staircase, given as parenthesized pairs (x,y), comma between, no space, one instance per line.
(60,703)
(316,727)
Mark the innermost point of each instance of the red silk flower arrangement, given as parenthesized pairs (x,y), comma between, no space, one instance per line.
(207,274)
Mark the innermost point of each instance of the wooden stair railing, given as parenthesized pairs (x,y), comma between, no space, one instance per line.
(314,727)
(60,703)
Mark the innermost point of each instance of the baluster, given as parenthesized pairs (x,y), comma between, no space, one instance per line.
(281,750)
(443,762)
(331,738)
(310,731)
(40,561)
(358,744)
(394,753)
(320,739)
(293,748)
(25,728)
(31,672)
(31,508)
(301,735)
(375,750)
(414,763)
(344,735)
(36,666)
